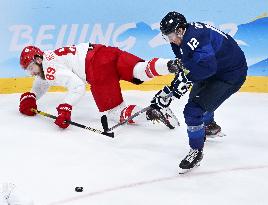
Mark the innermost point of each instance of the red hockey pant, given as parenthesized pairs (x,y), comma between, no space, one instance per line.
(107,67)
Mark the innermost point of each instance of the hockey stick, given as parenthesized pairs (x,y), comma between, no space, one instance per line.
(107,133)
(105,123)
(170,95)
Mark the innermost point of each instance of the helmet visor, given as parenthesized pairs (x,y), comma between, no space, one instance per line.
(170,37)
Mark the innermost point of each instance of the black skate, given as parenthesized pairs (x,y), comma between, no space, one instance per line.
(213,130)
(191,160)
(164,115)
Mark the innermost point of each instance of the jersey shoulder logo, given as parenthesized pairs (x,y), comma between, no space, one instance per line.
(50,56)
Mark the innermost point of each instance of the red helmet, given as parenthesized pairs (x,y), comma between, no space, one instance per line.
(27,55)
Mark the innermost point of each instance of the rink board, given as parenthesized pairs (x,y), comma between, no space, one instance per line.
(19,85)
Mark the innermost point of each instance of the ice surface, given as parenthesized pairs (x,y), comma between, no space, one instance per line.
(140,165)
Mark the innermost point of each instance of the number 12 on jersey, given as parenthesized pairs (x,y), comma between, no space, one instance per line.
(193,43)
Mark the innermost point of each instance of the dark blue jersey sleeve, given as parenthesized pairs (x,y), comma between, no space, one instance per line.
(176,50)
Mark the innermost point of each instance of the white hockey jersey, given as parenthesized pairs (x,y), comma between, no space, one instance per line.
(64,67)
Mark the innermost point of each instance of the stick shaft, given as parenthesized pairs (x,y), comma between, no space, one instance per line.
(74,123)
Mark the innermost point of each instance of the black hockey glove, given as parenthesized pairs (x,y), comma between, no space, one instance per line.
(162,99)
(175,66)
(180,85)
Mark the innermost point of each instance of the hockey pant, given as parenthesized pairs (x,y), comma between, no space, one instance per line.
(107,67)
(205,97)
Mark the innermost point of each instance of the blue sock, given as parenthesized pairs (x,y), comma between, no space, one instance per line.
(196,136)
(208,117)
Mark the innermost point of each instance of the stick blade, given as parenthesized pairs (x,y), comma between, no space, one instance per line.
(104,123)
(109,134)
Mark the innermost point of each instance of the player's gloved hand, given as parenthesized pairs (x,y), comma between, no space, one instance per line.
(175,66)
(180,85)
(162,98)
(27,102)
(64,114)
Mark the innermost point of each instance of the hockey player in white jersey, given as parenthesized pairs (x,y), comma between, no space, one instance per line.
(100,66)
(11,195)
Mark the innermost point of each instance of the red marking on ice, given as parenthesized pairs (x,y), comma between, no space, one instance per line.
(145,182)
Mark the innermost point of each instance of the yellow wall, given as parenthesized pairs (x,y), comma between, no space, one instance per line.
(19,85)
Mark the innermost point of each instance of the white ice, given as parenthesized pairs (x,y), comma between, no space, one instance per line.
(140,165)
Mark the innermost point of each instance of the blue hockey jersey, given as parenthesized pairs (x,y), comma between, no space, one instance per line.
(210,53)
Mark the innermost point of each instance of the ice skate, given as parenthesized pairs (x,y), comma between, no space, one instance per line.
(192,160)
(213,130)
(164,115)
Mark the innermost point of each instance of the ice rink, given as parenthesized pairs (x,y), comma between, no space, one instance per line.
(140,165)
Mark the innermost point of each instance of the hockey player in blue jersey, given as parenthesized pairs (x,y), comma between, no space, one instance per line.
(214,64)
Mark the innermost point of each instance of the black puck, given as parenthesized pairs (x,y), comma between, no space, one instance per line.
(78,189)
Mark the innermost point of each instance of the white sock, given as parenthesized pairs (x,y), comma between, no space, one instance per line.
(147,70)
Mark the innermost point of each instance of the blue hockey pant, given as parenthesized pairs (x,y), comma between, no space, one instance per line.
(205,97)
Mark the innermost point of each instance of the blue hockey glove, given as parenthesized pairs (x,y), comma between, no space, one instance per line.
(162,99)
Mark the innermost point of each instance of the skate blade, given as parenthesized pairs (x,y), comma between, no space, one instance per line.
(185,171)
(220,134)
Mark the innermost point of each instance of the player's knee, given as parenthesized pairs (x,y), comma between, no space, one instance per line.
(193,114)
(123,111)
